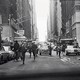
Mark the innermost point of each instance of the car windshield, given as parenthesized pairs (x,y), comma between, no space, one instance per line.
(7,48)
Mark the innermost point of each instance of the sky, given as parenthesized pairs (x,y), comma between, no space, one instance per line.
(42,10)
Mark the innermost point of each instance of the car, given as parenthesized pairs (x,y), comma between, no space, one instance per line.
(4,56)
(72,50)
(43,49)
(11,53)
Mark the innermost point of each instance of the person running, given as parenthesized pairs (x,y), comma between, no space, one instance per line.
(34,50)
(16,48)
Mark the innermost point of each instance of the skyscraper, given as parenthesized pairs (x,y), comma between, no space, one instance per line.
(71,18)
(54,20)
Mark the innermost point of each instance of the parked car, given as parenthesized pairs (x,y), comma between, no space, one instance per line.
(11,53)
(72,50)
(4,55)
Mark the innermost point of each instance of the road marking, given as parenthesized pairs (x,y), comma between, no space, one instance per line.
(65,59)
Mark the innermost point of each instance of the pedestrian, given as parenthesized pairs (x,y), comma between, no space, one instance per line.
(59,50)
(63,48)
(30,48)
(76,45)
(34,50)
(50,50)
(16,48)
(23,50)
(37,50)
(20,51)
(12,46)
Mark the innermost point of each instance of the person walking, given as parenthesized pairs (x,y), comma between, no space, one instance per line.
(23,51)
(50,50)
(63,48)
(16,48)
(34,50)
(20,51)
(12,46)
(30,48)
(59,50)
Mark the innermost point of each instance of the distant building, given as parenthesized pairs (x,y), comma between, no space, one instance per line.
(71,18)
(54,20)
(33,20)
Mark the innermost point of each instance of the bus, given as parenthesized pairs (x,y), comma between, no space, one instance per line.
(68,41)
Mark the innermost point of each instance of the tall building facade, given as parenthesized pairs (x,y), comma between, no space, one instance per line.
(33,20)
(71,18)
(7,16)
(26,18)
(54,20)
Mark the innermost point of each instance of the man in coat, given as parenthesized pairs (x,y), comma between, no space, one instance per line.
(23,50)
(34,49)
(16,48)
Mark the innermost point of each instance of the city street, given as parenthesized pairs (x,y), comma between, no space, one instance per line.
(40,25)
(44,63)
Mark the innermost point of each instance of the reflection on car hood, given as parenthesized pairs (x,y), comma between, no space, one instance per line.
(3,52)
(11,52)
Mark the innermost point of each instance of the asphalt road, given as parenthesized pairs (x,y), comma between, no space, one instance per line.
(44,63)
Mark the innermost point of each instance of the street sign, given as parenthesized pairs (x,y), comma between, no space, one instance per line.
(21,32)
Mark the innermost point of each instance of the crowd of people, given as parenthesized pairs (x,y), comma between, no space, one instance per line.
(21,49)
(61,48)
(32,48)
